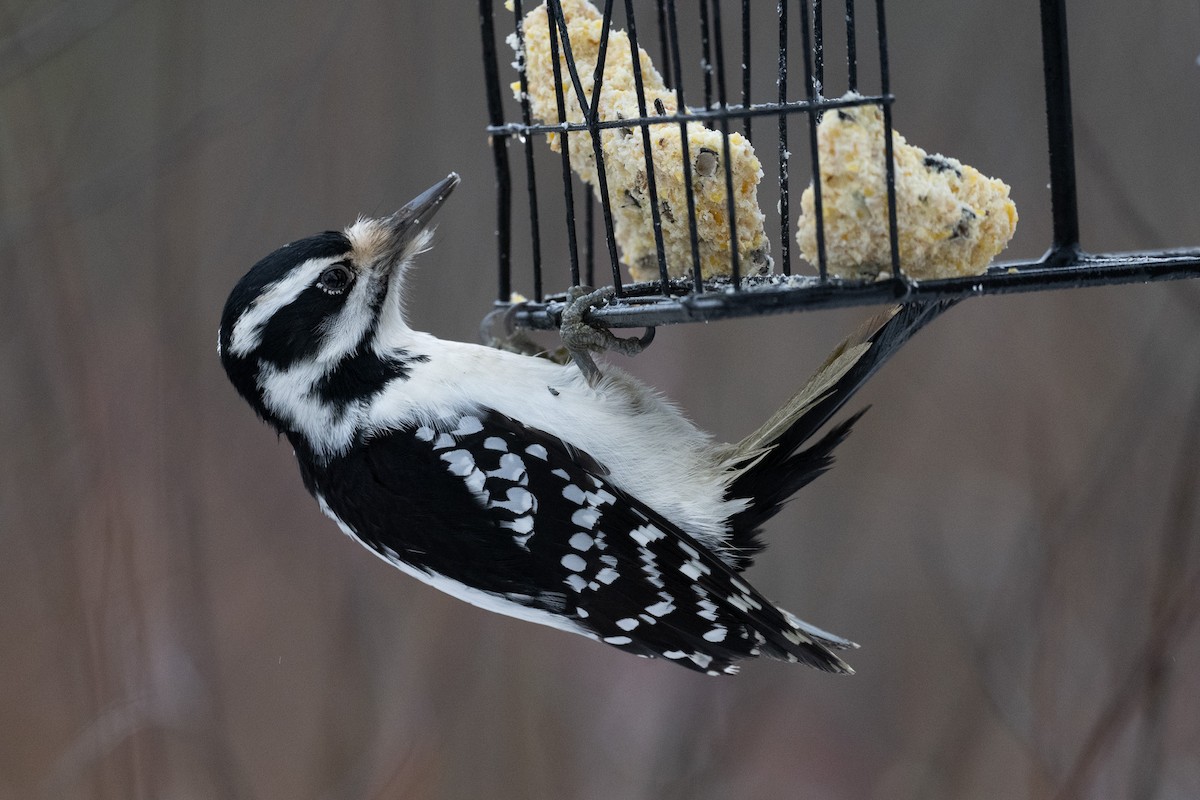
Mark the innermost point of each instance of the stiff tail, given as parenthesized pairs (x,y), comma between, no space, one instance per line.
(777,466)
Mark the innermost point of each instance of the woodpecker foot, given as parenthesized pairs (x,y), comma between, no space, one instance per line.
(582,338)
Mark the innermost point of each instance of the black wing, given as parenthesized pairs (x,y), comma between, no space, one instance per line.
(505,509)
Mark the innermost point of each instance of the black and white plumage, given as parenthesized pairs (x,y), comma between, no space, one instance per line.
(509,482)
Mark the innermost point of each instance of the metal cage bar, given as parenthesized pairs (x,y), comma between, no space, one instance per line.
(785,157)
(647,150)
(568,184)
(1060,134)
(885,83)
(693,235)
(746,50)
(851,49)
(499,151)
(530,172)
(735,267)
(811,92)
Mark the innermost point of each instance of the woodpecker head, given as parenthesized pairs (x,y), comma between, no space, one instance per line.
(316,305)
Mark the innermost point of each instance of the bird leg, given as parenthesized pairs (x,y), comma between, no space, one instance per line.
(582,338)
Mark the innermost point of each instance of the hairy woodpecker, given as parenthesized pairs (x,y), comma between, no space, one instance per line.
(511,483)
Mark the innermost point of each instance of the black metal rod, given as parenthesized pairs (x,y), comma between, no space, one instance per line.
(652,184)
(559,21)
(491,69)
(589,114)
(1060,133)
(851,49)
(722,98)
(663,47)
(818,46)
(705,54)
(700,114)
(563,131)
(746,62)
(718,47)
(589,238)
(810,89)
(693,235)
(530,177)
(592,117)
(888,154)
(647,150)
(785,224)
(592,112)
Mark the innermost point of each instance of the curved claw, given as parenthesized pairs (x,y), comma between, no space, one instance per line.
(581,338)
(644,340)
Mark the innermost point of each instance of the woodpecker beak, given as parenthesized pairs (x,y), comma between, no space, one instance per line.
(391,243)
(409,222)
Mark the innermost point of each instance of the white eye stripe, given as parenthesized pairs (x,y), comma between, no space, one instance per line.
(344,331)
(247,331)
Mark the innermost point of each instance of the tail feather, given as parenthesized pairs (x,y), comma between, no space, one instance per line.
(771,464)
(789,477)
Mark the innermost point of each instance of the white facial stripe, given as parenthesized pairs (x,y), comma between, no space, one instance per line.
(288,393)
(343,333)
(247,331)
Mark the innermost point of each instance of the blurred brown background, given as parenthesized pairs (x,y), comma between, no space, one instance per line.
(1010,533)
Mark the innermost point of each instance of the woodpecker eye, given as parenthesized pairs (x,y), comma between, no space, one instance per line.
(335,279)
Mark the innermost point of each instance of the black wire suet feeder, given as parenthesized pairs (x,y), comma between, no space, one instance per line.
(692,298)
